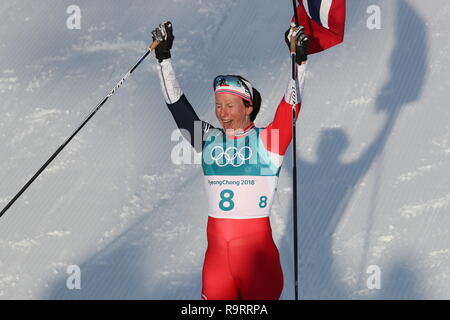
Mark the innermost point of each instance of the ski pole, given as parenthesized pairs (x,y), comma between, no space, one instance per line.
(294,152)
(89,116)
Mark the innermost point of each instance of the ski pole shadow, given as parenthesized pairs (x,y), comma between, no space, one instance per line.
(408,70)
(326,186)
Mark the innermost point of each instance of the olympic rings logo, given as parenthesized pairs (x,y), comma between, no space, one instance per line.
(230,154)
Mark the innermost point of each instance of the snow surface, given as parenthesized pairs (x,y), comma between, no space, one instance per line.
(373,147)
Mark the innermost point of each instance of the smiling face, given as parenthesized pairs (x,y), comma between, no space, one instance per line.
(232,113)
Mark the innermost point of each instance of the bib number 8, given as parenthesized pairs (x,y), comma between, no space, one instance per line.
(226,203)
(262,201)
(226,200)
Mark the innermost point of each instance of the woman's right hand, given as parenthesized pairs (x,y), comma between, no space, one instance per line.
(301,42)
(164,34)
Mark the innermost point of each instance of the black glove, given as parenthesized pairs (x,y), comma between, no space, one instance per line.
(164,34)
(301,50)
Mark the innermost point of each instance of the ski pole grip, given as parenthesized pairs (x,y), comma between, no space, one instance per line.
(293,45)
(154,45)
(292,39)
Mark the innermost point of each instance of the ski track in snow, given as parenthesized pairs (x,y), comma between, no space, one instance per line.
(419,172)
(157,185)
(429,206)
(28,243)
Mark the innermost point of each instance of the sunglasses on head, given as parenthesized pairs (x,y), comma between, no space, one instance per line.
(233,81)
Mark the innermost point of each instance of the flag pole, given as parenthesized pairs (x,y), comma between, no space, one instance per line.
(294,153)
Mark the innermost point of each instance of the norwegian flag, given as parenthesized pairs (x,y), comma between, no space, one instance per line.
(324,22)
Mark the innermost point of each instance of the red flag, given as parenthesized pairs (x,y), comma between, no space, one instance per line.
(324,22)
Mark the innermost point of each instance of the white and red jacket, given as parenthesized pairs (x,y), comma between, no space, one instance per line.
(241,172)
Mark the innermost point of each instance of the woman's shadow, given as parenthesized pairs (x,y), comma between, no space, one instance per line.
(326,186)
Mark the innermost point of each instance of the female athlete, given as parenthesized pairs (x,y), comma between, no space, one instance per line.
(241,164)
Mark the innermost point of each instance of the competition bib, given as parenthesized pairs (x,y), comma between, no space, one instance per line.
(240,197)
(240,175)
